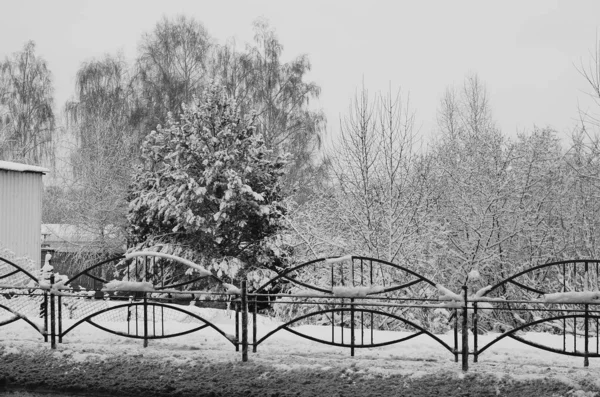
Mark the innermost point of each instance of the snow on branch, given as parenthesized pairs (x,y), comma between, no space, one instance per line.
(573,297)
(447,295)
(203,272)
(117,285)
(356,292)
(479,295)
(308,292)
(340,259)
(231,289)
(483,307)
(474,275)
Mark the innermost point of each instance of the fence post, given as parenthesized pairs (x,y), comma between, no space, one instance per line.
(60,319)
(129,314)
(52,315)
(254,312)
(145,320)
(465,333)
(44,314)
(237,327)
(351,327)
(586,360)
(244,321)
(475,332)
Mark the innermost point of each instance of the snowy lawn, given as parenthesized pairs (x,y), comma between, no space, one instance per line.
(88,349)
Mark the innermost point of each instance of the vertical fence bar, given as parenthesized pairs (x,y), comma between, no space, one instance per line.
(564,271)
(44,314)
(254,325)
(362,327)
(52,315)
(455,335)
(474,332)
(237,328)
(145,320)
(465,333)
(342,320)
(574,334)
(129,311)
(362,275)
(586,286)
(352,327)
(332,323)
(332,279)
(244,321)
(59,319)
(586,360)
(332,313)
(371,328)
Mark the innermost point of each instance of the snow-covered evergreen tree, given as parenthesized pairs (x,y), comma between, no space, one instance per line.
(208,190)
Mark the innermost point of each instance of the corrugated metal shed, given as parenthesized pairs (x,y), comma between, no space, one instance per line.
(21,192)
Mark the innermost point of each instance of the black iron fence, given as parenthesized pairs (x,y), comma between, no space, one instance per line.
(353,296)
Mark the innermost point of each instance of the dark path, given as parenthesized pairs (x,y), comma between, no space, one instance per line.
(128,376)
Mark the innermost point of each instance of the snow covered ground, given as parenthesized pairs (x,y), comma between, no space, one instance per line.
(416,357)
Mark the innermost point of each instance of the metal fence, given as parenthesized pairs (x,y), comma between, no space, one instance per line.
(353,296)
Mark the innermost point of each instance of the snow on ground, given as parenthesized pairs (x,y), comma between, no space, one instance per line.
(284,350)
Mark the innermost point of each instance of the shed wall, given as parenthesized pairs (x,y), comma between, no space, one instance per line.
(21,212)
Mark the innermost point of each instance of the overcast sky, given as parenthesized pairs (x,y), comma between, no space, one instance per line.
(524,51)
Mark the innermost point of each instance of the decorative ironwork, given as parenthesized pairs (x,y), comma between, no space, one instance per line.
(548,297)
(352,295)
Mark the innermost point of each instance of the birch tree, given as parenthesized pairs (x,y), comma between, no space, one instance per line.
(27,120)
(171,68)
(279,95)
(102,121)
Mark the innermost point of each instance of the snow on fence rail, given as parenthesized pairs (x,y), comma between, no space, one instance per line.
(162,296)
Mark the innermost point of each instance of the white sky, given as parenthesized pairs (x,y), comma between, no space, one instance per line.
(525,51)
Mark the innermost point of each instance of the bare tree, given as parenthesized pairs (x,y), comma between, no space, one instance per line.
(279,95)
(171,68)
(591,73)
(377,198)
(27,120)
(472,163)
(101,118)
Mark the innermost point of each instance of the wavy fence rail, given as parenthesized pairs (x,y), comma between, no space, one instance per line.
(141,295)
